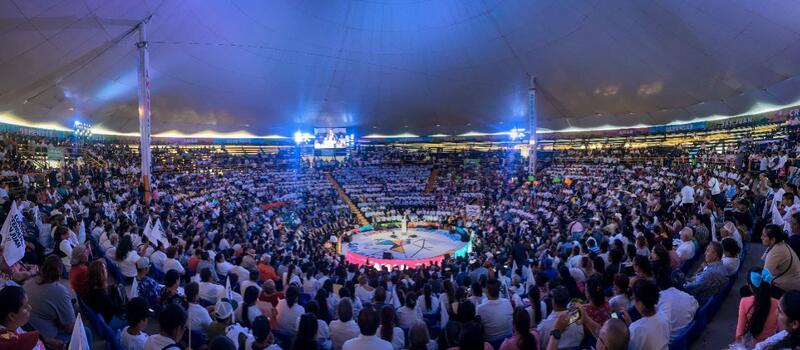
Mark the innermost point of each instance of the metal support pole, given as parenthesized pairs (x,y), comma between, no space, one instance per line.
(144,108)
(532,139)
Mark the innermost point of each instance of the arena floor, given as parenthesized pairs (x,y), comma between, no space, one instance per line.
(415,247)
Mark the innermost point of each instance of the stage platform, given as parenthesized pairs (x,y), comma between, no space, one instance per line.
(393,247)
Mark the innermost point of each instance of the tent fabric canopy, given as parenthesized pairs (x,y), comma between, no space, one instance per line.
(397,66)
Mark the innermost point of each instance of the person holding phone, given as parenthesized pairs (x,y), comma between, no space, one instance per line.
(612,335)
(568,336)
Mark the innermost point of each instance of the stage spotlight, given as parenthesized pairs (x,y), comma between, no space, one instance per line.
(516,134)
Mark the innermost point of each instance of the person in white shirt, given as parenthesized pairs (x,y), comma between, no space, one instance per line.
(157,258)
(209,291)
(323,335)
(652,331)
(496,313)
(427,303)
(388,331)
(170,263)
(730,259)
(368,324)
(240,272)
(132,337)
(263,334)
(247,310)
(677,306)
(715,189)
(777,191)
(363,290)
(344,328)
(223,266)
(310,283)
(172,323)
(289,311)
(64,246)
(199,319)
(687,195)
(686,249)
(126,257)
(571,336)
(782,211)
(251,281)
(408,313)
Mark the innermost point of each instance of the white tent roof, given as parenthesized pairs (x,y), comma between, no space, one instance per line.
(392,66)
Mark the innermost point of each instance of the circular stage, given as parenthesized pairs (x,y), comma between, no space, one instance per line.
(392,247)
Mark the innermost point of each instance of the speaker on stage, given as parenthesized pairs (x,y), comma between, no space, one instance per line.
(388,256)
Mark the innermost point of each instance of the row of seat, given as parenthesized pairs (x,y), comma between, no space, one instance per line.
(706,313)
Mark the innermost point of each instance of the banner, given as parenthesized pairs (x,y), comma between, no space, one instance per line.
(473,209)
(13,241)
(55,153)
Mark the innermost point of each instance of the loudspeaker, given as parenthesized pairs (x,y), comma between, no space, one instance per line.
(388,256)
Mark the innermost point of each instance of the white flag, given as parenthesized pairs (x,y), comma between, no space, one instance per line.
(13,240)
(147,228)
(79,340)
(134,292)
(228,290)
(82,233)
(155,234)
(158,234)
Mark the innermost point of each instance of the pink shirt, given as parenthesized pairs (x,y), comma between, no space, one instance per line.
(770,327)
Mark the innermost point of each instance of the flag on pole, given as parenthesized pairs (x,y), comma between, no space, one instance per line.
(134,292)
(78,341)
(82,233)
(148,227)
(13,240)
(228,290)
(529,279)
(156,234)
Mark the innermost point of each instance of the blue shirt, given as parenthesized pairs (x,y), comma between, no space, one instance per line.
(708,282)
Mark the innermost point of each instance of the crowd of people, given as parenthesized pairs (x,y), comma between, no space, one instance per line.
(596,252)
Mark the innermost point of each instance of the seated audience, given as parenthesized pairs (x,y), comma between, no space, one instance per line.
(758,313)
(572,335)
(712,278)
(524,336)
(15,312)
(52,312)
(133,336)
(345,328)
(496,313)
(789,318)
(387,330)
(172,326)
(780,260)
(368,321)
(652,330)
